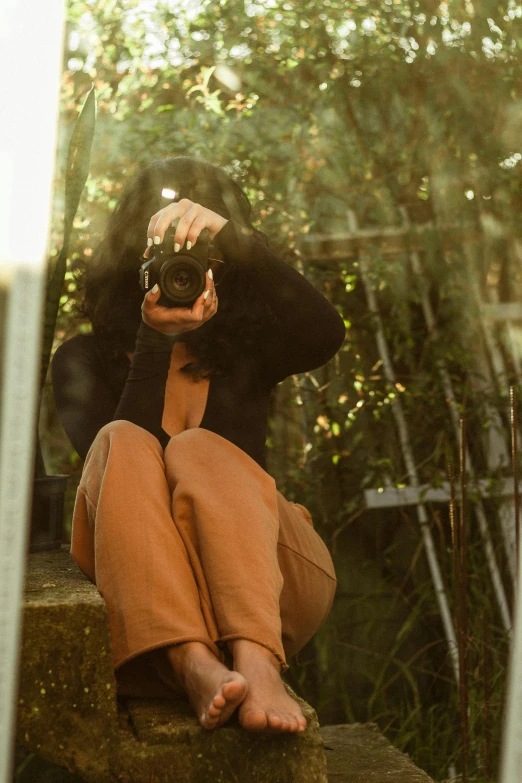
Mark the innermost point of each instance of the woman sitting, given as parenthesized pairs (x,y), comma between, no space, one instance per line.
(212,579)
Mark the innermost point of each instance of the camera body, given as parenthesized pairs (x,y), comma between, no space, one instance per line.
(180,276)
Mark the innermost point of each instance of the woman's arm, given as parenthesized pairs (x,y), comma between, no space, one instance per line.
(143,397)
(81,381)
(310,330)
(85,400)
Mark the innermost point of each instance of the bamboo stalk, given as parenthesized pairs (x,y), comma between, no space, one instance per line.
(454,540)
(456,558)
(486,679)
(460,615)
(514,462)
(463,635)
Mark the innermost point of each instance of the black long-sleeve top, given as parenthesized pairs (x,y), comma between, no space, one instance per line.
(90,393)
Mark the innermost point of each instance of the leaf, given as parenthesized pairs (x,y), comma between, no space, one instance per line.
(78,162)
(207,73)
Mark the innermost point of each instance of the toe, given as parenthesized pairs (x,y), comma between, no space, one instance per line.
(219,701)
(293,723)
(234,690)
(207,721)
(213,711)
(275,722)
(253,720)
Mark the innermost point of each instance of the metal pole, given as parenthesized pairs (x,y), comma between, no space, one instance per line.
(511,752)
(30,95)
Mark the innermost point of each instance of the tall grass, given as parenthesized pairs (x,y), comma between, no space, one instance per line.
(381,656)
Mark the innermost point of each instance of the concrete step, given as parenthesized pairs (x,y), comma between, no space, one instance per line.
(358,753)
(68,712)
(69,715)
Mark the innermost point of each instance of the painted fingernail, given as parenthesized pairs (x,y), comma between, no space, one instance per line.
(157,240)
(155,289)
(211,274)
(149,241)
(189,245)
(206,294)
(177,248)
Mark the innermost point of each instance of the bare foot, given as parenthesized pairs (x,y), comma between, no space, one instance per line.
(213,690)
(267,705)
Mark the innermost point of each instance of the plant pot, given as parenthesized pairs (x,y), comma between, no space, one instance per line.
(47,512)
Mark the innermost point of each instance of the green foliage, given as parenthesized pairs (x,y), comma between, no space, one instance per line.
(399,116)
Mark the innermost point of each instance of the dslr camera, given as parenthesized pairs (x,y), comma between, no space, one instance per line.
(180,276)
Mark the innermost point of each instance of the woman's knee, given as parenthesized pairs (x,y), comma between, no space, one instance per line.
(125,431)
(121,436)
(195,435)
(212,451)
(190,443)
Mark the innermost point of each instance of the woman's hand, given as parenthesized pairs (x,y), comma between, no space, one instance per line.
(193,218)
(177,320)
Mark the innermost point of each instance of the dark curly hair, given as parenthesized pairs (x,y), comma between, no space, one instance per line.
(112,296)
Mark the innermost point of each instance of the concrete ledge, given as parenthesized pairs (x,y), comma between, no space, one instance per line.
(173,747)
(67,696)
(68,712)
(358,753)
(69,715)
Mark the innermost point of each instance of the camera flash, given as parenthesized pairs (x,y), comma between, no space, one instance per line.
(168,193)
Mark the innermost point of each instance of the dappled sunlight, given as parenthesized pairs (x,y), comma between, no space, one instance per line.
(380,145)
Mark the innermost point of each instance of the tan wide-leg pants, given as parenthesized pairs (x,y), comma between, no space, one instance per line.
(194,543)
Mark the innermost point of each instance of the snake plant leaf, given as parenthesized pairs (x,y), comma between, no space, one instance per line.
(78,162)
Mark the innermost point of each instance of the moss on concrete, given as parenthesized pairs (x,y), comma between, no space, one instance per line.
(174,747)
(67,697)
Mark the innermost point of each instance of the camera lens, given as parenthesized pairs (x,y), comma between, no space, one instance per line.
(182,280)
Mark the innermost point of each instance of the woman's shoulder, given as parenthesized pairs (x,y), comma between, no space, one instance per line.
(79,344)
(84,360)
(80,350)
